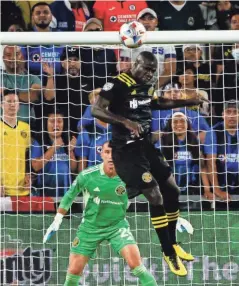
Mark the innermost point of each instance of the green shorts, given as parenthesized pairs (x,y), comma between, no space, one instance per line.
(87,241)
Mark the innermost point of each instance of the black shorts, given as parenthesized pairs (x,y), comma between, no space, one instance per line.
(140,165)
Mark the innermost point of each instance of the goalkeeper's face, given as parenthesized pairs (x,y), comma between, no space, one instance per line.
(106,155)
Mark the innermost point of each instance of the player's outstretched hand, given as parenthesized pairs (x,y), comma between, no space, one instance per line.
(135,128)
(184,225)
(53,227)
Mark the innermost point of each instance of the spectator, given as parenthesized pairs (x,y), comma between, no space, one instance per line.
(52,156)
(26,10)
(70,15)
(38,56)
(10,14)
(115,13)
(70,88)
(223,52)
(187,81)
(227,149)
(91,138)
(192,55)
(15,141)
(181,149)
(160,117)
(166,54)
(16,27)
(224,10)
(228,82)
(209,15)
(98,63)
(15,77)
(178,15)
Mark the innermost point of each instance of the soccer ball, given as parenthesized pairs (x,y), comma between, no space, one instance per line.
(132,34)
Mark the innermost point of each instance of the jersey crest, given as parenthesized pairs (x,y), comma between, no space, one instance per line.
(120,190)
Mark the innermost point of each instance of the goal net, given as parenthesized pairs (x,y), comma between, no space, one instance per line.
(53,80)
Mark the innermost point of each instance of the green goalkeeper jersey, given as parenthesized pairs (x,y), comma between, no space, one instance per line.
(105,198)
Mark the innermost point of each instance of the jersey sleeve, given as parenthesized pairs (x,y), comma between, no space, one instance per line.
(75,189)
(82,145)
(112,89)
(36,150)
(210,143)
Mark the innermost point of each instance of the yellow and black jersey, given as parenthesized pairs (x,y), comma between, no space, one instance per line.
(130,100)
(14,143)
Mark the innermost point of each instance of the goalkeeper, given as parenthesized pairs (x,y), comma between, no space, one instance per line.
(104,219)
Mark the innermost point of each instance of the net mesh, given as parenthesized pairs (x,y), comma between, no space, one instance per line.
(54,83)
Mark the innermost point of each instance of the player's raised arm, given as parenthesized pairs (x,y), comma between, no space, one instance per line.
(65,204)
(164,103)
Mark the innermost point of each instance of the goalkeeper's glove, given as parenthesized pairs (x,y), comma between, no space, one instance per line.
(184,225)
(53,227)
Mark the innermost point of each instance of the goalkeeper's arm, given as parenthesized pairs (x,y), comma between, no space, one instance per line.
(65,204)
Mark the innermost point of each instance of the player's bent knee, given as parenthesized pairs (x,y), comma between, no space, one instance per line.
(153,195)
(172,188)
(77,264)
(131,255)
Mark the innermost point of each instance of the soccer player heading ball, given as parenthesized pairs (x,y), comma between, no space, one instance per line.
(107,196)
(126,102)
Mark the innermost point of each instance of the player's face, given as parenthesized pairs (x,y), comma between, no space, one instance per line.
(231,117)
(143,72)
(42,16)
(106,155)
(72,66)
(235,22)
(55,125)
(187,79)
(179,125)
(192,54)
(10,105)
(12,58)
(150,23)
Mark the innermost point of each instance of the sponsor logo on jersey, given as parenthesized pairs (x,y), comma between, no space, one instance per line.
(24,134)
(147,177)
(76,242)
(96,189)
(108,86)
(113,19)
(120,190)
(133,104)
(191,21)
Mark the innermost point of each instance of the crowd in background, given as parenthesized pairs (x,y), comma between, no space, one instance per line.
(47,131)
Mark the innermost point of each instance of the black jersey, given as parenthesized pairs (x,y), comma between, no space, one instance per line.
(132,101)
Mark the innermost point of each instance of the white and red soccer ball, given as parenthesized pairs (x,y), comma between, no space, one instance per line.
(132,34)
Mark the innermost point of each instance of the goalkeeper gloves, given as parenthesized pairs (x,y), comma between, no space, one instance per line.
(184,225)
(53,227)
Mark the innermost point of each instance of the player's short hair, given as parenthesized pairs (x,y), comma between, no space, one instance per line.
(40,4)
(7,91)
(147,55)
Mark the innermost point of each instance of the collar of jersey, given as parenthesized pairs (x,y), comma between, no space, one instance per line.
(102,172)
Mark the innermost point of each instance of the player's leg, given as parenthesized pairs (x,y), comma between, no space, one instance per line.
(132,257)
(123,242)
(170,192)
(83,247)
(132,166)
(77,263)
